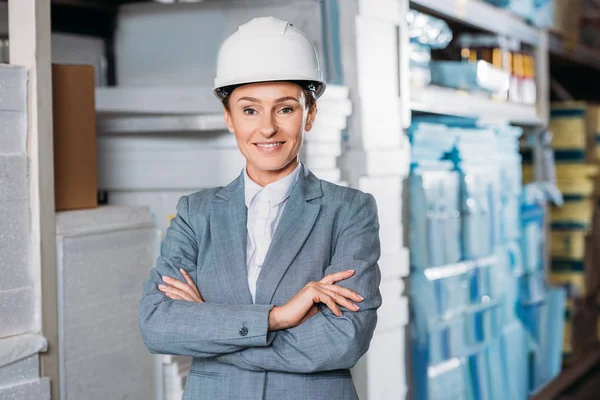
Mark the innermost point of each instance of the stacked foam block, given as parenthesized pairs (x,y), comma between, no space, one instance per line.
(323,144)
(375,160)
(102,254)
(19,313)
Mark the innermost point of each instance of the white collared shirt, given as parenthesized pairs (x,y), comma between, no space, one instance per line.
(265,207)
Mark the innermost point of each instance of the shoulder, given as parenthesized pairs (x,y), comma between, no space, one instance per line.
(193,203)
(201,197)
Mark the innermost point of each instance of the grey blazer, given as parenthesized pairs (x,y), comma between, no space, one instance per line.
(324,228)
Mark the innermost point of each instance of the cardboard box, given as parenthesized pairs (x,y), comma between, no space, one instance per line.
(567,14)
(74,115)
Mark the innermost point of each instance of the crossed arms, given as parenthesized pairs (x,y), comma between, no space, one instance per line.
(317,330)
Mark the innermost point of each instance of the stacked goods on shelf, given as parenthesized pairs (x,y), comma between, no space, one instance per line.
(19,309)
(426,33)
(493,64)
(540,308)
(592,244)
(490,65)
(474,298)
(589,24)
(577,22)
(566,20)
(571,248)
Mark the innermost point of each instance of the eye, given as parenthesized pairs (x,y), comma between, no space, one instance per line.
(249,111)
(287,110)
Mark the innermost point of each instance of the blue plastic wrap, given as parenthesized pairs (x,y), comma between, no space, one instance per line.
(468,341)
(532,234)
(545,322)
(433,215)
(515,351)
(420,64)
(450,381)
(524,8)
(543,13)
(470,76)
(477,214)
(428,30)
(531,287)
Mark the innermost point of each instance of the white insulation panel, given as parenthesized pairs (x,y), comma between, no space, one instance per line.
(13,88)
(38,389)
(100,274)
(145,34)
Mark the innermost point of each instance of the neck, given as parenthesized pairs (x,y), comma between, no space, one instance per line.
(263,178)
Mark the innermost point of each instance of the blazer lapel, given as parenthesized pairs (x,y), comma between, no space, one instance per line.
(228,216)
(297,221)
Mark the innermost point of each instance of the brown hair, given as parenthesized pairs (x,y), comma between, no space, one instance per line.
(310,96)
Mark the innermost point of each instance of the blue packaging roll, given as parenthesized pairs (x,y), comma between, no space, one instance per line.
(533,236)
(478,370)
(449,380)
(497,373)
(531,287)
(515,359)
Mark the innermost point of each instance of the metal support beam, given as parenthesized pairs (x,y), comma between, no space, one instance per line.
(29,32)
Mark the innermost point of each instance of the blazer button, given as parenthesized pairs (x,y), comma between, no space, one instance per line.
(243,331)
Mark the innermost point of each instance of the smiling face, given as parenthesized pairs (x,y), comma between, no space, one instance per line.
(268,120)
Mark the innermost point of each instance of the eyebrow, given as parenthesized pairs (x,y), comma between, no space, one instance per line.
(252,99)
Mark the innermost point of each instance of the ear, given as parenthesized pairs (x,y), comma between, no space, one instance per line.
(310,118)
(228,121)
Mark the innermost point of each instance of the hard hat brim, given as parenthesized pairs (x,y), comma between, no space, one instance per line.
(219,91)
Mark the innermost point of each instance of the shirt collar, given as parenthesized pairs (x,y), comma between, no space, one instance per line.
(277,191)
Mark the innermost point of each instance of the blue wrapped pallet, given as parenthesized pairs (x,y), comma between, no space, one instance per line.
(467,276)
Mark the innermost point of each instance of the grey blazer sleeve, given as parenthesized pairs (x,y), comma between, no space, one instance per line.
(325,341)
(188,328)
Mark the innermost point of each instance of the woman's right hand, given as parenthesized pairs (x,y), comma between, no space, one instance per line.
(304,305)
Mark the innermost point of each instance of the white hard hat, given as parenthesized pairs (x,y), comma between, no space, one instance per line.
(267,49)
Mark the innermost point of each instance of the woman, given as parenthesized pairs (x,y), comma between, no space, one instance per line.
(247,280)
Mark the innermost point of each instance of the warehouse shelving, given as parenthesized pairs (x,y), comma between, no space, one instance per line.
(484,16)
(578,53)
(478,14)
(570,377)
(441,100)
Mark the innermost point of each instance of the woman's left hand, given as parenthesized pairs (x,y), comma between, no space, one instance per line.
(177,290)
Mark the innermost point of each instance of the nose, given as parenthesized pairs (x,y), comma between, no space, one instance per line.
(268,125)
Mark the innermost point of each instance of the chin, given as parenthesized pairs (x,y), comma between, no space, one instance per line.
(271,165)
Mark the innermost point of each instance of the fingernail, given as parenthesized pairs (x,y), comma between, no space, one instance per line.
(162,287)
(182,270)
(166,278)
(357,307)
(360,297)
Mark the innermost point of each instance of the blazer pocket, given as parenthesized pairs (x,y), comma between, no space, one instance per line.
(204,374)
(335,374)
